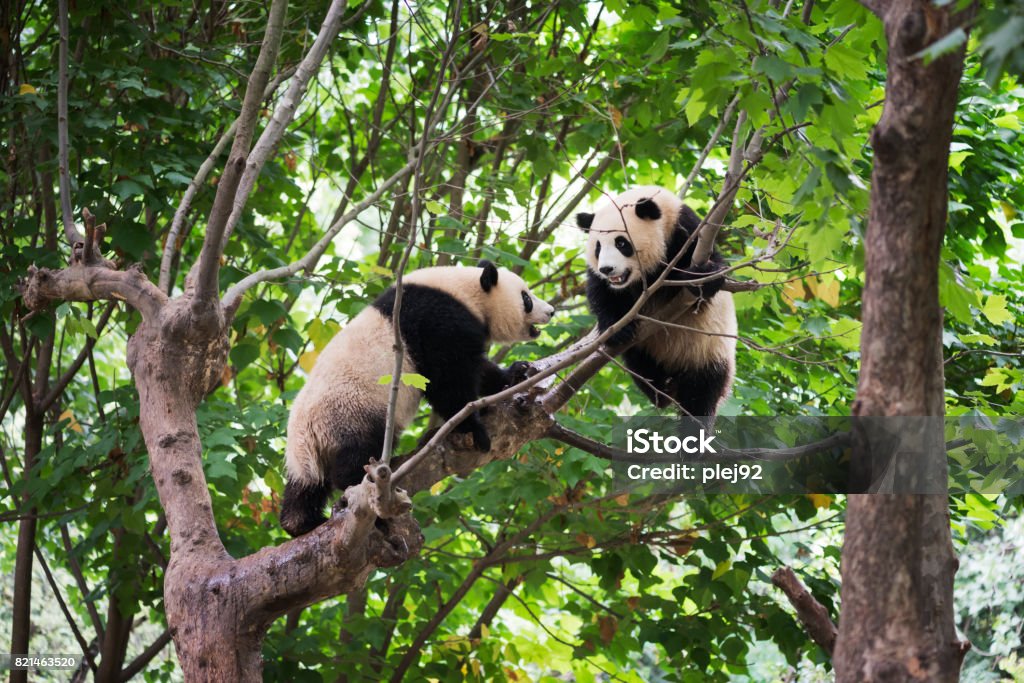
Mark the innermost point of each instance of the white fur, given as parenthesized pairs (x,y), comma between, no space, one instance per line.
(501,308)
(344,388)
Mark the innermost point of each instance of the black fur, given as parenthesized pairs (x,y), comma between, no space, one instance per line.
(448,345)
(697,389)
(303,507)
(648,210)
(584,221)
(488,278)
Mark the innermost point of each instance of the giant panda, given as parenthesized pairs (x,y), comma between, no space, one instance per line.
(630,240)
(448,317)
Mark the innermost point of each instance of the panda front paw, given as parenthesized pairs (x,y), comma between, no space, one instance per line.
(707,289)
(518,372)
(623,336)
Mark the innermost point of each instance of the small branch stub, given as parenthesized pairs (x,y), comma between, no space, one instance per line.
(385,500)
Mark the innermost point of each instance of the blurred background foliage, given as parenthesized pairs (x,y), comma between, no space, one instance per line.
(533,568)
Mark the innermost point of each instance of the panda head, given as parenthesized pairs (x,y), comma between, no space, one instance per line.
(627,236)
(511,310)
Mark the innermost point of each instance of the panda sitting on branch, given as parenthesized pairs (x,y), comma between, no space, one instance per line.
(631,239)
(449,317)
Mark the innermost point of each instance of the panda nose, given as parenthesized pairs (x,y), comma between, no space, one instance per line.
(605,270)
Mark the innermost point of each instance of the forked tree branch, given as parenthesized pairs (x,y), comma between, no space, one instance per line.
(233,296)
(208,265)
(171,245)
(715,218)
(284,113)
(80,282)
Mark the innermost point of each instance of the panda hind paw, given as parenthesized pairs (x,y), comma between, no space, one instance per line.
(481,440)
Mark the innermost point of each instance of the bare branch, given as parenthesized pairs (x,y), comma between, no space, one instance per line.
(812,614)
(233,296)
(146,656)
(71,233)
(83,586)
(72,623)
(208,265)
(322,564)
(80,282)
(577,440)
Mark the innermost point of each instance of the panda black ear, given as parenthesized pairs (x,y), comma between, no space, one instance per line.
(489,278)
(584,221)
(647,210)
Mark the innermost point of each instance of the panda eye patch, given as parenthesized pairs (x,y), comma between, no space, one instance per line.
(623,245)
(597,249)
(527,302)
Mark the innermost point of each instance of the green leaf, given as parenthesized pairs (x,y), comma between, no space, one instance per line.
(773,67)
(417,381)
(409,379)
(978,339)
(244,353)
(1009,121)
(695,107)
(288,338)
(996,311)
(127,188)
(944,45)
(268,312)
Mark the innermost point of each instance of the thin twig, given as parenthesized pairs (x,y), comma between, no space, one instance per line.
(171,243)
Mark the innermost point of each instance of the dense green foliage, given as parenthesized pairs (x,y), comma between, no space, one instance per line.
(617,93)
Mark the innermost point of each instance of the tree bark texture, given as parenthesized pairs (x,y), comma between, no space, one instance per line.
(898,564)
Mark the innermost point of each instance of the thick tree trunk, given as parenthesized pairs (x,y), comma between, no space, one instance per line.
(898,563)
(21,627)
